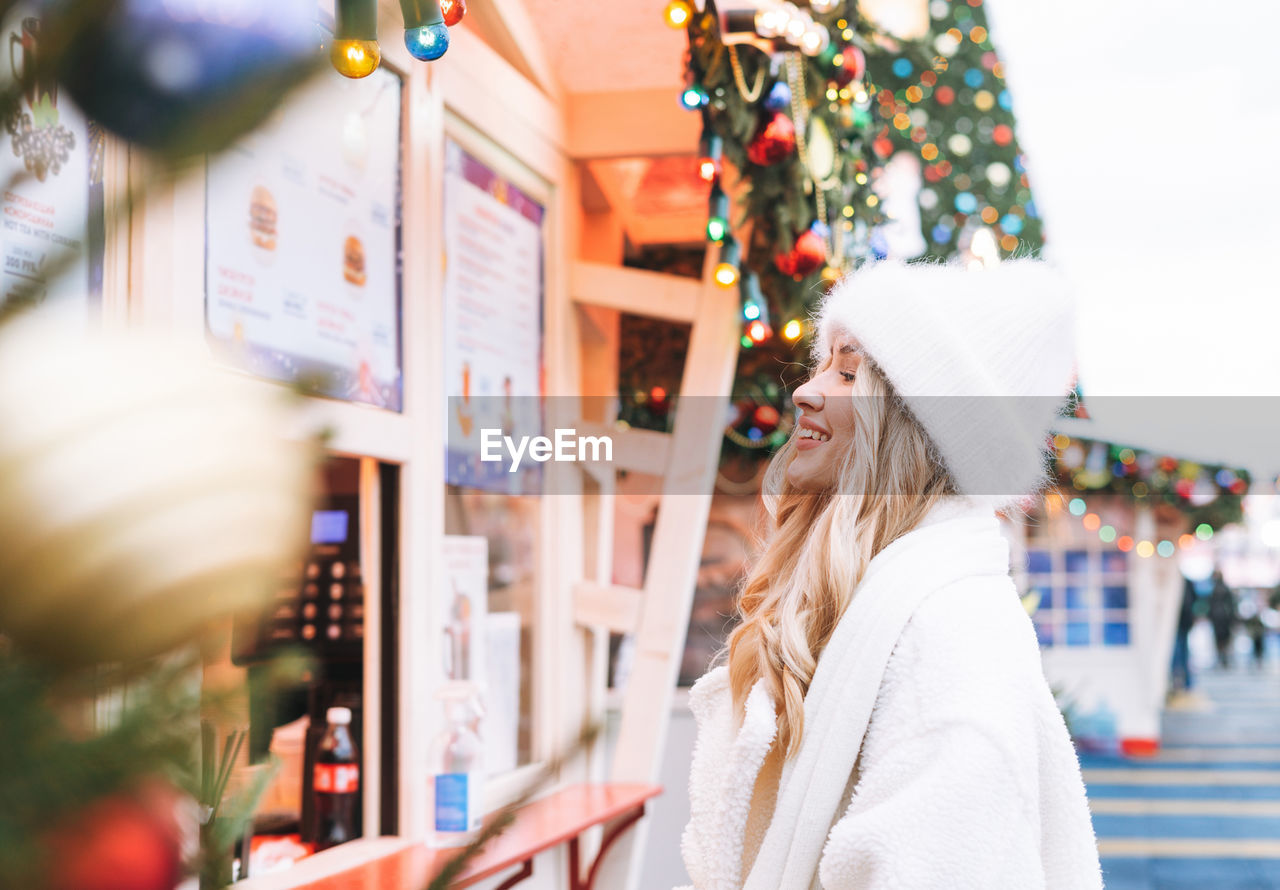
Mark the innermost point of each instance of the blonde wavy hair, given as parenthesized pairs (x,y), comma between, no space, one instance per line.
(819,544)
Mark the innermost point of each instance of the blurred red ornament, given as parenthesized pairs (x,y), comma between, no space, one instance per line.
(883,147)
(944,95)
(658,394)
(1184,487)
(853,65)
(1168,464)
(808,255)
(810,252)
(758,331)
(773,142)
(119,842)
(931,174)
(785,262)
(453,11)
(766,417)
(1002,134)
(1238,487)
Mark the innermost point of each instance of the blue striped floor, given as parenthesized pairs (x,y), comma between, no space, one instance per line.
(1204,814)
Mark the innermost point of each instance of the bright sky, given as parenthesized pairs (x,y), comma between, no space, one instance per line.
(1152,134)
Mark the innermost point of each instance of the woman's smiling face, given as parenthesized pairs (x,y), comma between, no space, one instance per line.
(825,418)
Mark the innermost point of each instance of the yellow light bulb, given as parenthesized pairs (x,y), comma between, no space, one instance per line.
(726,275)
(355,58)
(792,330)
(677,13)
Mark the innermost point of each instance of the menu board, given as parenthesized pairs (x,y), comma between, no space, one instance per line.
(302,278)
(493,289)
(51,209)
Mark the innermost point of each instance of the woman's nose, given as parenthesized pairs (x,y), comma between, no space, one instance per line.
(807,396)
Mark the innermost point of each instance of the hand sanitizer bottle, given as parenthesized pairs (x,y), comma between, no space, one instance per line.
(456,768)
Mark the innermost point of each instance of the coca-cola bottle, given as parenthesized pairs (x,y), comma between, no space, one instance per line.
(336,782)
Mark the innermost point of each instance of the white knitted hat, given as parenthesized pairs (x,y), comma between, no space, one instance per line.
(983,359)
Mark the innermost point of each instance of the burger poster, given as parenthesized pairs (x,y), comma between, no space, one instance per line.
(52,215)
(301,268)
(492,320)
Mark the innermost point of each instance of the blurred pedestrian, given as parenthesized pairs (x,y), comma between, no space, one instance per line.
(1181,647)
(1222,615)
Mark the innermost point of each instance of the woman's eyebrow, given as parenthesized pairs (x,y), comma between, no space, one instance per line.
(849,349)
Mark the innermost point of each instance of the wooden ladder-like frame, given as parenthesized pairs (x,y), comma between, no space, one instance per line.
(687,459)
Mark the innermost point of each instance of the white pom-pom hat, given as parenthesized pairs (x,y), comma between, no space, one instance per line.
(984,360)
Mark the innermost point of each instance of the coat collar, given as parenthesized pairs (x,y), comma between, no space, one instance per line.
(728,755)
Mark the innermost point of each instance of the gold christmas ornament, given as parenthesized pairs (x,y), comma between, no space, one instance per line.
(144,495)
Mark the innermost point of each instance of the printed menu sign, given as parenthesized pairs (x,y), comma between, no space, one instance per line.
(492,320)
(51,170)
(302,280)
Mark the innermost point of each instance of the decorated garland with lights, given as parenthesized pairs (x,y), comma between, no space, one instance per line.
(954,111)
(1210,496)
(783,100)
(1126,543)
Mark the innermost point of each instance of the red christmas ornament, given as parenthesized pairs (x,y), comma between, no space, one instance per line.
(1002,134)
(775,139)
(116,843)
(808,255)
(453,11)
(853,66)
(882,146)
(766,417)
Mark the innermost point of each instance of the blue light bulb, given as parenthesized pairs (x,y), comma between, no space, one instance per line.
(428,42)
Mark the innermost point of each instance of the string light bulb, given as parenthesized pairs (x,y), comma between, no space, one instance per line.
(770,20)
(452,11)
(814,40)
(677,13)
(798,23)
(792,330)
(354,52)
(425,34)
(717,215)
(758,332)
(754,307)
(726,273)
(693,97)
(710,150)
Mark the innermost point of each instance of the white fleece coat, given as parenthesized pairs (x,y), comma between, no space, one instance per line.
(933,755)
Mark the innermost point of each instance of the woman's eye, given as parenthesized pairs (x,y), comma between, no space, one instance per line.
(848,376)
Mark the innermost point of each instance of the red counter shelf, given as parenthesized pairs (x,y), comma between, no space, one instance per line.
(396,864)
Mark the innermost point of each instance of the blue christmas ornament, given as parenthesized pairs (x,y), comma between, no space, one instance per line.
(1005,100)
(819,228)
(1018,164)
(1031,210)
(1011,224)
(779,98)
(181,76)
(902,67)
(973,77)
(966,202)
(941,234)
(755,434)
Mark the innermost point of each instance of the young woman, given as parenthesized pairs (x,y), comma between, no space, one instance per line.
(882,719)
